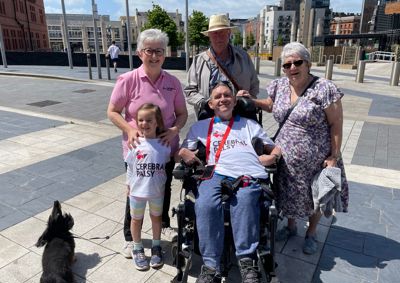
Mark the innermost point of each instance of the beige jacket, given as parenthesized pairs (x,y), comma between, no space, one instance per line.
(198,78)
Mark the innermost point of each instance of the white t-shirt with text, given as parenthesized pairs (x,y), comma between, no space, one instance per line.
(145,174)
(238,156)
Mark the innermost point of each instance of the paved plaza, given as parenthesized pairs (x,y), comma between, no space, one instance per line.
(56,143)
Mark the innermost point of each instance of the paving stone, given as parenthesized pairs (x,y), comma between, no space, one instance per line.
(25,233)
(362,160)
(21,269)
(396,194)
(10,251)
(366,151)
(117,270)
(382,247)
(394,163)
(37,205)
(390,271)
(294,249)
(5,210)
(294,270)
(333,276)
(89,257)
(82,154)
(346,239)
(14,124)
(380,163)
(349,263)
(360,224)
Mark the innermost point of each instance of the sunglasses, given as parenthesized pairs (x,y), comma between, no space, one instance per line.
(289,64)
(221,82)
(150,52)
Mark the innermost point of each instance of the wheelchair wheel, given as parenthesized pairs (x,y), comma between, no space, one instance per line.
(182,259)
(264,264)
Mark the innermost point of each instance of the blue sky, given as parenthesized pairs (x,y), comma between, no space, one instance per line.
(236,9)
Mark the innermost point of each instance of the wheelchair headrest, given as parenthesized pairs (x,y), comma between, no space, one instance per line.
(245,107)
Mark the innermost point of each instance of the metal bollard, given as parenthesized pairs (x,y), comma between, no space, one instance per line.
(395,74)
(328,70)
(108,68)
(257,64)
(278,65)
(360,71)
(89,63)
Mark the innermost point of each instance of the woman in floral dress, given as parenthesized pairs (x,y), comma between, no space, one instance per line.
(310,139)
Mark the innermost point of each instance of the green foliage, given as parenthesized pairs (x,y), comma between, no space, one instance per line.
(279,40)
(158,18)
(237,39)
(250,40)
(198,22)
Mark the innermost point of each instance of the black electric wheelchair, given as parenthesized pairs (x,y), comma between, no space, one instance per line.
(185,243)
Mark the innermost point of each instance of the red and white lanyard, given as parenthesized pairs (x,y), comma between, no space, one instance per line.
(221,145)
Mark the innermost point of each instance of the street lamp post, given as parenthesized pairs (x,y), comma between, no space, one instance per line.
(66,35)
(128,35)
(187,36)
(96,39)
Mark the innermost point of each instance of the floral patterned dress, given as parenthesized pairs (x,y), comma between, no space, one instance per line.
(305,142)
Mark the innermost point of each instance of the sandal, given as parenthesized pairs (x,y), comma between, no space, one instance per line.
(310,245)
(285,233)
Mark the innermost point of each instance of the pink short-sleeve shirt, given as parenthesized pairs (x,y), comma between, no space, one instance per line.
(134,88)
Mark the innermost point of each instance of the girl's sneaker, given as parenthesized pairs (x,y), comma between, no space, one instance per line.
(140,260)
(156,260)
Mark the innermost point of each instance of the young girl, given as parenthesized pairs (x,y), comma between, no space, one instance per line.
(146,179)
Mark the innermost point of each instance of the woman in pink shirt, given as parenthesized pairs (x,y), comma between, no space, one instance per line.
(148,84)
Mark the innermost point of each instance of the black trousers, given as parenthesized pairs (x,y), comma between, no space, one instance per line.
(167,201)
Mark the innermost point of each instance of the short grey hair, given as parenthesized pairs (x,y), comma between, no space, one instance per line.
(295,48)
(152,35)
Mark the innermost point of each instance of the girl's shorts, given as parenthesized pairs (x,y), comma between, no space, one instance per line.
(138,206)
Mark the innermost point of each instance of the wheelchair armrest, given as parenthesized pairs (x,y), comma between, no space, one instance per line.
(271,169)
(180,171)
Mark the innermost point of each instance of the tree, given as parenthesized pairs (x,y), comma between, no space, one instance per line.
(158,18)
(250,40)
(279,40)
(198,22)
(237,39)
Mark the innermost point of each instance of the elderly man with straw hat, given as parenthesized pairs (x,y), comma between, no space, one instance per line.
(221,62)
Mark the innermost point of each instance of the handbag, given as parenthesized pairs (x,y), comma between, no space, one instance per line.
(315,78)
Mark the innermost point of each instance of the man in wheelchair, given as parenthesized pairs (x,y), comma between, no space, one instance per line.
(229,156)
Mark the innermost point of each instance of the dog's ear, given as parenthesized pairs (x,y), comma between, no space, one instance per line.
(69,221)
(42,239)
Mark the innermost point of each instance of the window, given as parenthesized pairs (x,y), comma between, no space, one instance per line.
(33,13)
(41,16)
(2,7)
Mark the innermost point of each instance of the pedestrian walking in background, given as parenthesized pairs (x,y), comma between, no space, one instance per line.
(113,52)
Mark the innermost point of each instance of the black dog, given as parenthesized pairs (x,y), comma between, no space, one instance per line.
(58,254)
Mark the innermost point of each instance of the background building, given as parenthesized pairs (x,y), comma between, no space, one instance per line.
(367,11)
(277,26)
(81,32)
(24,25)
(315,17)
(346,25)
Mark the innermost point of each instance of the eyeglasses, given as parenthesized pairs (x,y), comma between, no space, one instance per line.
(289,64)
(220,82)
(150,51)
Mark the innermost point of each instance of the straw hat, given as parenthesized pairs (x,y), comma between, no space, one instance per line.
(218,22)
